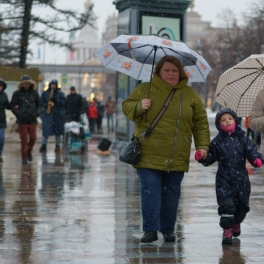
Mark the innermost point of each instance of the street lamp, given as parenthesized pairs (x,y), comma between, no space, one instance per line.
(80,69)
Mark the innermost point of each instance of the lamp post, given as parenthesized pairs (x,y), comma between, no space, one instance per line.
(80,69)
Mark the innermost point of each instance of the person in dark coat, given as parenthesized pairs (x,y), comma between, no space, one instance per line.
(110,108)
(4,104)
(53,115)
(84,105)
(25,104)
(231,148)
(100,111)
(73,106)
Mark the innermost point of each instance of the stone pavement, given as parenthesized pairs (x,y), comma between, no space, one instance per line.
(85,209)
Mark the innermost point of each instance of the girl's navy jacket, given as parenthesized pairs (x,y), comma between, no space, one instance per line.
(231,152)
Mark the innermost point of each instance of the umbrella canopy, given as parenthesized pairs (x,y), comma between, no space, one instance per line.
(239,86)
(136,55)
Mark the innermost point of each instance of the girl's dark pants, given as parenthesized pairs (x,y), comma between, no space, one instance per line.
(232,212)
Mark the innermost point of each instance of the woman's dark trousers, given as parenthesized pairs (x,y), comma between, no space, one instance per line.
(160,193)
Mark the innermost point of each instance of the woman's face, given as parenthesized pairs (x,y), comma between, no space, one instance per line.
(169,73)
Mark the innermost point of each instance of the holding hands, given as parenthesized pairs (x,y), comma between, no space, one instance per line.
(197,155)
(200,154)
(146,104)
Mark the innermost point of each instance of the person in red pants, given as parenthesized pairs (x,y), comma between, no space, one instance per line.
(92,115)
(25,104)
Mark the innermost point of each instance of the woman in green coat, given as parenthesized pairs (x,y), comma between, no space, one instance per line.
(165,153)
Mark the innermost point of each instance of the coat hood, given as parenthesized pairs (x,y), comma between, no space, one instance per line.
(3,82)
(224,111)
(31,82)
(54,81)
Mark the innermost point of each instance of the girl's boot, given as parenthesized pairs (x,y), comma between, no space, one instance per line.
(227,236)
(236,230)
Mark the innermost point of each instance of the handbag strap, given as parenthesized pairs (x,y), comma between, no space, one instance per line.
(160,114)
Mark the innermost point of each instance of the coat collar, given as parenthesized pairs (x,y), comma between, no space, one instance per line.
(158,81)
(238,132)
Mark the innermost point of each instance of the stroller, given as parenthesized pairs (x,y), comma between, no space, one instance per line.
(75,137)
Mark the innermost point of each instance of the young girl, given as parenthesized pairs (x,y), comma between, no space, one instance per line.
(231,148)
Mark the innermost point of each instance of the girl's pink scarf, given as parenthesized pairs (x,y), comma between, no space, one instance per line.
(228,129)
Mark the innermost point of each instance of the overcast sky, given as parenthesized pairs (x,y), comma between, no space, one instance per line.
(208,9)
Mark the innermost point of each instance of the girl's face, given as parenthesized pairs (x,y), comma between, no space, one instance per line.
(226,119)
(169,73)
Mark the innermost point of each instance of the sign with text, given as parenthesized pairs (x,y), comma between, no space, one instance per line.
(164,27)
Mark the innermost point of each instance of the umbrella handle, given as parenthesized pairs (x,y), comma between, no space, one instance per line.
(153,63)
(150,83)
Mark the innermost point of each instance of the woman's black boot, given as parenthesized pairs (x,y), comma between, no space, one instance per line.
(169,237)
(149,236)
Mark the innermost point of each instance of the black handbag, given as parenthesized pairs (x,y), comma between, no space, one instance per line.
(130,154)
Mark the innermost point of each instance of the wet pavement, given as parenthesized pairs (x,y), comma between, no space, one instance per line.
(86,209)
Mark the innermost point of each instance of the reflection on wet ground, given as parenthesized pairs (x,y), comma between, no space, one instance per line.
(86,209)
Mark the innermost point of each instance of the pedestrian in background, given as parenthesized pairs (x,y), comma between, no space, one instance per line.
(100,111)
(92,115)
(256,119)
(231,148)
(165,153)
(4,104)
(53,115)
(25,104)
(249,131)
(110,108)
(73,106)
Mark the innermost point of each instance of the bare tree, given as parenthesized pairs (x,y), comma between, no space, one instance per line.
(20,26)
(234,41)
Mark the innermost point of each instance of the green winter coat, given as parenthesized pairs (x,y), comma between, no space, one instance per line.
(169,145)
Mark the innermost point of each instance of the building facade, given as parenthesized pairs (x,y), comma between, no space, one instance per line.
(101,85)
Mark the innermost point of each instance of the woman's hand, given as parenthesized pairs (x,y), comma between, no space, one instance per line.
(146,104)
(203,153)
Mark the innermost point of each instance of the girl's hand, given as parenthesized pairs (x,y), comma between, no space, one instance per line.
(146,104)
(203,153)
(258,162)
(197,155)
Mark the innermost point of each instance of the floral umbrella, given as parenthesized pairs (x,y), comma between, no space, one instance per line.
(136,56)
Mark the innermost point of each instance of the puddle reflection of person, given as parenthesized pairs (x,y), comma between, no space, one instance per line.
(52,179)
(231,254)
(2,204)
(25,208)
(58,159)
(151,252)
